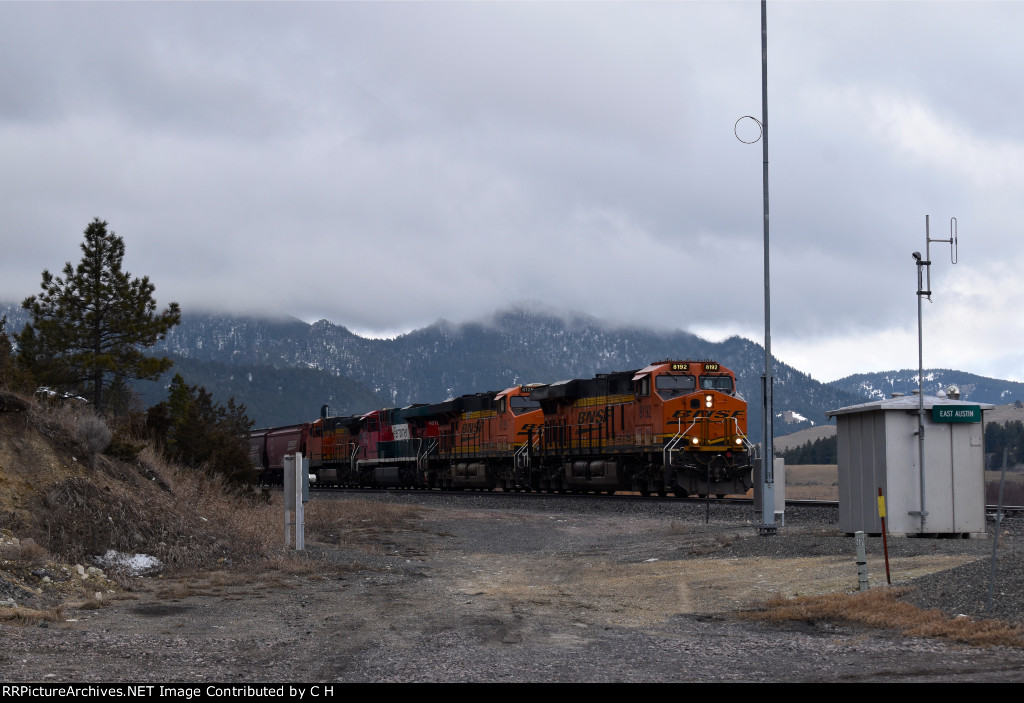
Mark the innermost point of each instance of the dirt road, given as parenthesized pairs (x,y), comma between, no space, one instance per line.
(465,590)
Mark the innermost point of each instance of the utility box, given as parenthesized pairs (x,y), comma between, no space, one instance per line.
(879,448)
(779,472)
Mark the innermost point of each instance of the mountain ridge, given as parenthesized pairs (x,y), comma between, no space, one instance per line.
(283,369)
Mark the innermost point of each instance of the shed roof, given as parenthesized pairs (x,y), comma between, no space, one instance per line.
(904,403)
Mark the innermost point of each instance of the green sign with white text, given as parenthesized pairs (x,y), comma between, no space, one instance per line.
(956,413)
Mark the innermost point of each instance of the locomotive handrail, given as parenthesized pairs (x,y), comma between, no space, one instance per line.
(679,433)
(421,458)
(746,442)
(690,427)
(522,456)
(458,445)
(670,446)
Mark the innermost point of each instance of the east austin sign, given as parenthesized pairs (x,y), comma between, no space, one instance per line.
(956,413)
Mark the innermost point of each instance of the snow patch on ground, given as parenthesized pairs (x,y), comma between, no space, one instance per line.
(134,564)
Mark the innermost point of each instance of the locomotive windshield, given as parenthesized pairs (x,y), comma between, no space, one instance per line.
(716,383)
(522,404)
(669,387)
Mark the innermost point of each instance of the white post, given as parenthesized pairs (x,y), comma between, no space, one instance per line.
(288,484)
(301,480)
(862,560)
(780,491)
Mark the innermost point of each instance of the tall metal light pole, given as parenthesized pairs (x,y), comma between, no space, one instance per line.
(767,526)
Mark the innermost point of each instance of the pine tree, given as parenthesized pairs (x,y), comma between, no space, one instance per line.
(91,325)
(6,358)
(197,431)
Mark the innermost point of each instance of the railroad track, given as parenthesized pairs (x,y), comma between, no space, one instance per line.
(1009,511)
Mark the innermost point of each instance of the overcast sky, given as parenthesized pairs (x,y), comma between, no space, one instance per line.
(383,165)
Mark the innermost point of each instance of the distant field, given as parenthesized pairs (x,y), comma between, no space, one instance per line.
(821,482)
(812,482)
(1013,492)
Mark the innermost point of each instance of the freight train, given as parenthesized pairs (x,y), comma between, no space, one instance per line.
(676,427)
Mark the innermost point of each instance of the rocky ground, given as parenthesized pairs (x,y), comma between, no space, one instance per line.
(532,588)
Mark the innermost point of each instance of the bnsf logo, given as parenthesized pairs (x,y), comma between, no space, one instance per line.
(588,417)
(716,415)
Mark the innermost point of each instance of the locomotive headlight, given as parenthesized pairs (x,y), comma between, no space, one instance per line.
(738,441)
(707,401)
(695,440)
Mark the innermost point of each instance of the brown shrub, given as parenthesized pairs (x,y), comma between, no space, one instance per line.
(31,552)
(92,434)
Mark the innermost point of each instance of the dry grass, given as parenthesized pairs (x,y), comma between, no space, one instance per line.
(345,522)
(69,423)
(177,590)
(31,616)
(26,552)
(182,517)
(212,538)
(94,603)
(882,608)
(32,553)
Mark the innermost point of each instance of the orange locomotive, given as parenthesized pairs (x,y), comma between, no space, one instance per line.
(483,438)
(674,426)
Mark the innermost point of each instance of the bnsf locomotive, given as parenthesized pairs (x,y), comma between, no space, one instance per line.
(675,427)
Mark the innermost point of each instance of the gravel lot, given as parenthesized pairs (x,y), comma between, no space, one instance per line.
(538,588)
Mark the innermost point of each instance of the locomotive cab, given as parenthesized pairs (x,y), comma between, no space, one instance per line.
(519,417)
(704,424)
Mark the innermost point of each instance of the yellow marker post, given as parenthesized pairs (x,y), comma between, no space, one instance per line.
(885,541)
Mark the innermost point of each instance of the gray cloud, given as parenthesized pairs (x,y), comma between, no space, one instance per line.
(386,164)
